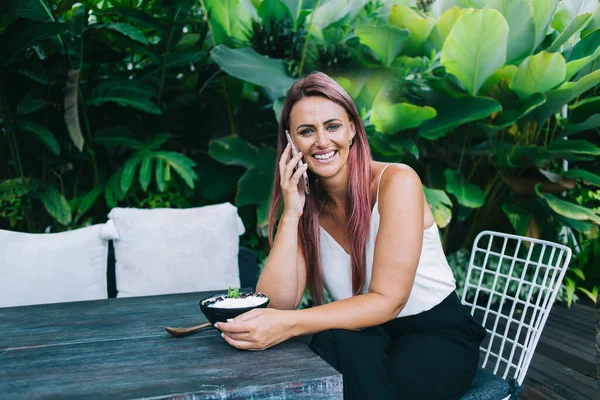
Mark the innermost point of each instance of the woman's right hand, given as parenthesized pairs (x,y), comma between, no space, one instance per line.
(293,193)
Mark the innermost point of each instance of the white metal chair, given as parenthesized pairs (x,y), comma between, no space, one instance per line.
(511,284)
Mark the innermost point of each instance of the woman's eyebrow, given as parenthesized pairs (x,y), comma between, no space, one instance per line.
(312,126)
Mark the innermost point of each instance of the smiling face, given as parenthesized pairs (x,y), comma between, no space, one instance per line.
(321,130)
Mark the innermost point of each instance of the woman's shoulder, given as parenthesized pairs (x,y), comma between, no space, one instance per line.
(389,175)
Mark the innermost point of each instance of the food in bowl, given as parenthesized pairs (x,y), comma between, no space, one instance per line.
(224,306)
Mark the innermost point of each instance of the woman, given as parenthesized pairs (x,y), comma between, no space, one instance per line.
(365,232)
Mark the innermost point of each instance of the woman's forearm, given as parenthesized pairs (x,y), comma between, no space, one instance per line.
(279,278)
(353,313)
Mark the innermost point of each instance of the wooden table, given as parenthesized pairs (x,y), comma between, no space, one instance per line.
(117,348)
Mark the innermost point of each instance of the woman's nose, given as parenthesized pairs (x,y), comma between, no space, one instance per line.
(322,138)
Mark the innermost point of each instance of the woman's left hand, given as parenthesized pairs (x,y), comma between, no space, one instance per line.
(257,329)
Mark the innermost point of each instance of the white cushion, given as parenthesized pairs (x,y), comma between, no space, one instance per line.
(167,250)
(52,267)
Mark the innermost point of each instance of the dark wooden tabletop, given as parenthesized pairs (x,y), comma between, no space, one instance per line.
(118,348)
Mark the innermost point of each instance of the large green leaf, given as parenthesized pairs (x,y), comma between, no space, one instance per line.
(386,41)
(56,205)
(247,65)
(233,150)
(274,10)
(13,188)
(228,19)
(22,34)
(454,112)
(183,165)
(31,103)
(578,24)
(419,27)
(295,6)
(124,29)
(42,133)
(593,122)
(583,53)
(146,173)
(467,194)
(124,92)
(583,175)
(578,7)
(543,12)
(475,48)
(391,118)
(444,25)
(539,73)
(328,12)
(255,186)
(88,200)
(160,175)
(574,146)
(440,204)
(32,9)
(521,34)
(568,209)
(72,108)
(128,172)
(594,24)
(568,91)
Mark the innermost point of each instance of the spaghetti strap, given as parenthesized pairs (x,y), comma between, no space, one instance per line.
(379,183)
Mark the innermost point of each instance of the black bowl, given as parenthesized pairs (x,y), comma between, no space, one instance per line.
(216,314)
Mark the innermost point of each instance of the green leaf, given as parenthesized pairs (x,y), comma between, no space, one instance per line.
(578,24)
(574,146)
(129,172)
(592,295)
(117,136)
(440,204)
(295,6)
(17,187)
(578,272)
(454,112)
(475,48)
(156,142)
(543,12)
(160,175)
(255,186)
(136,15)
(583,53)
(274,10)
(72,108)
(228,19)
(88,200)
(124,93)
(444,25)
(146,172)
(539,73)
(42,133)
(233,150)
(247,65)
(56,205)
(467,194)
(391,118)
(591,123)
(188,40)
(521,34)
(32,9)
(568,209)
(22,34)
(183,165)
(31,103)
(510,116)
(124,29)
(328,12)
(568,91)
(386,41)
(113,191)
(503,75)
(518,217)
(594,24)
(419,27)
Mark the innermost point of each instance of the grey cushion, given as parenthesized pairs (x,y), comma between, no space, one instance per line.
(487,386)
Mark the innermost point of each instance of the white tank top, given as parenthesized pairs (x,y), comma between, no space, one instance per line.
(434,279)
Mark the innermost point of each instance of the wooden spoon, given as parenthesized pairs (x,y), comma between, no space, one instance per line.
(179,332)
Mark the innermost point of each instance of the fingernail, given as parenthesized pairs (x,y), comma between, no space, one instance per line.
(222,335)
(217,325)
(229,319)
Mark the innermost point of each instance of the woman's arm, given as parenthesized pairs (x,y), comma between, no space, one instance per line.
(284,277)
(397,252)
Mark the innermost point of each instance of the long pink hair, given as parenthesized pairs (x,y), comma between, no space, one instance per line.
(358,196)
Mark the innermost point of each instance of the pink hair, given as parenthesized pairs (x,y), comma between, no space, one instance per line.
(358,196)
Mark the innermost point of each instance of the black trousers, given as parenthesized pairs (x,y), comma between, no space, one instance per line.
(429,356)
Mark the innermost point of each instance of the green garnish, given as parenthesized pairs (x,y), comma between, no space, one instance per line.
(233,293)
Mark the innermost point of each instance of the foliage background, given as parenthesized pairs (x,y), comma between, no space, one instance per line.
(156,103)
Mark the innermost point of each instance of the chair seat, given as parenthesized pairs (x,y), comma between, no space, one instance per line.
(487,386)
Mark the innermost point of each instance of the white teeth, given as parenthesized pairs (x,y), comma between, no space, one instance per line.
(324,156)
